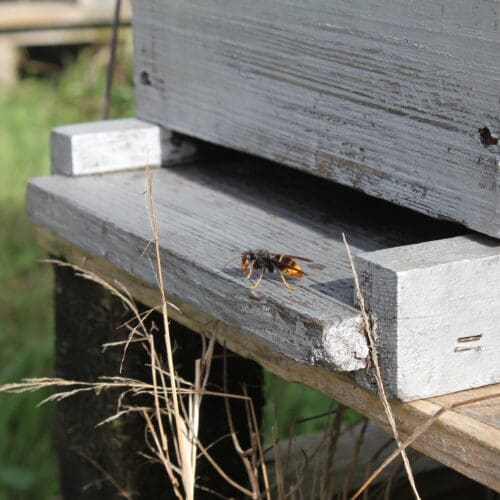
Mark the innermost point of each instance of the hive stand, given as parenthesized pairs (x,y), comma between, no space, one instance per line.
(416,274)
(395,99)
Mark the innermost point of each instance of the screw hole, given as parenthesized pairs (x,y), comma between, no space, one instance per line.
(145,80)
(487,139)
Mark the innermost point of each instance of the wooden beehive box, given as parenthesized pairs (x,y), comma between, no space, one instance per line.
(386,97)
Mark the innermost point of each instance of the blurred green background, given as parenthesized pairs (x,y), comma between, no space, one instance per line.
(28,111)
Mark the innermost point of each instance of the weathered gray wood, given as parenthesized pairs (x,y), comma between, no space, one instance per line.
(436,310)
(109,145)
(208,215)
(386,96)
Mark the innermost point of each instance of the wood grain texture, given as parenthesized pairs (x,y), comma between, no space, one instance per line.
(466,438)
(208,215)
(436,310)
(386,96)
(110,145)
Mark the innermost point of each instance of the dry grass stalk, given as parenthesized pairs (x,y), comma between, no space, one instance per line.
(378,375)
(184,422)
(326,484)
(278,464)
(253,458)
(122,492)
(175,400)
(354,460)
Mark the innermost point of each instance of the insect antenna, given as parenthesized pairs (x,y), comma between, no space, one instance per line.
(231,260)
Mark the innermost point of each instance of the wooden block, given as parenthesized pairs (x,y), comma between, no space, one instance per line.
(436,311)
(379,95)
(105,146)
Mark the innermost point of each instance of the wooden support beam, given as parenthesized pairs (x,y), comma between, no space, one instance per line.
(465,438)
(18,16)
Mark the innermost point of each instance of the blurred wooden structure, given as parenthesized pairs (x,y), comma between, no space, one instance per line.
(397,102)
(51,23)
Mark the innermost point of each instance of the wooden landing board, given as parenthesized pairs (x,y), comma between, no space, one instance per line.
(208,215)
(466,438)
(387,96)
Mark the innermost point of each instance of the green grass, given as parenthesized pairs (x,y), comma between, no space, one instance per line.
(28,467)
(27,113)
(296,409)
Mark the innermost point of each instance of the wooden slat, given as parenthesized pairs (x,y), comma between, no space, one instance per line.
(387,96)
(208,215)
(22,16)
(51,37)
(466,442)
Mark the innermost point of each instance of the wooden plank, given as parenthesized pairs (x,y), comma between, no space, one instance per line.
(384,96)
(487,411)
(461,441)
(208,215)
(61,36)
(436,310)
(110,145)
(18,16)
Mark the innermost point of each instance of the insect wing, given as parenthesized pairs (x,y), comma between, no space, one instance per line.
(283,256)
(286,264)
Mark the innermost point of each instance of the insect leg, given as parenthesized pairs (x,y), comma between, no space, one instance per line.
(250,271)
(256,284)
(285,282)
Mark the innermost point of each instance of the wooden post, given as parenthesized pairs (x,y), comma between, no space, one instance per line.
(105,462)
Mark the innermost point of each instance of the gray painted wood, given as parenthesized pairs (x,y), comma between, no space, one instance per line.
(386,96)
(208,214)
(110,145)
(436,310)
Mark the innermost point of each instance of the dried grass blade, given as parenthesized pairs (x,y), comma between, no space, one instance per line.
(378,375)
